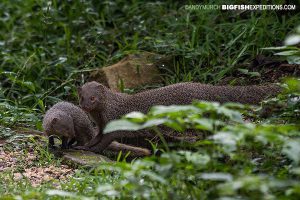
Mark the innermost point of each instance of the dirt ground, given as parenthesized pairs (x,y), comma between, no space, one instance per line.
(22,166)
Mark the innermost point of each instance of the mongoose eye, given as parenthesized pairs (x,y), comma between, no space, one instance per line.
(93,98)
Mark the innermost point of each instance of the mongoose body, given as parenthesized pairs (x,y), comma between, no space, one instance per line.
(71,123)
(105,105)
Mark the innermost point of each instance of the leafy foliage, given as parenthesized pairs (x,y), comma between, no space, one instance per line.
(180,117)
(285,107)
(290,51)
(237,160)
(48,47)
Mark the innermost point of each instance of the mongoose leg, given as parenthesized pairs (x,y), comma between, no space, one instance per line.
(51,142)
(71,141)
(92,143)
(95,141)
(167,133)
(108,138)
(64,143)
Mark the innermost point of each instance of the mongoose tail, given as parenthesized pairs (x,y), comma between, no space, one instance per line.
(107,139)
(134,151)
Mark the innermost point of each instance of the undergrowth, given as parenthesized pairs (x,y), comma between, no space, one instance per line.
(236,160)
(47,48)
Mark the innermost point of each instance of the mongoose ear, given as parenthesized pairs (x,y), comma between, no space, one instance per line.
(100,86)
(54,120)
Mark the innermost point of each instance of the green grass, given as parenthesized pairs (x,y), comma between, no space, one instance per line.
(47,49)
(47,45)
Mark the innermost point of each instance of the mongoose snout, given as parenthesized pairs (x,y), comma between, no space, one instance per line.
(89,100)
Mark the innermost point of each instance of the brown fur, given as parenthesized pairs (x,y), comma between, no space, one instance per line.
(68,121)
(105,105)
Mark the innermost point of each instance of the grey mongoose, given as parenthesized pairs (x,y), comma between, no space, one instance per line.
(68,122)
(105,105)
(71,123)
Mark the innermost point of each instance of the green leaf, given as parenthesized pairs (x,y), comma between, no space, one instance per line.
(107,190)
(293,85)
(174,125)
(204,124)
(216,176)
(153,177)
(252,183)
(29,85)
(207,106)
(227,140)
(293,59)
(154,122)
(159,110)
(121,125)
(60,193)
(231,114)
(244,71)
(292,150)
(280,48)
(195,158)
(136,117)
(41,105)
(287,53)
(293,39)
(126,125)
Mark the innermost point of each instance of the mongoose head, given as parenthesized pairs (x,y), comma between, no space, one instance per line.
(62,125)
(91,96)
